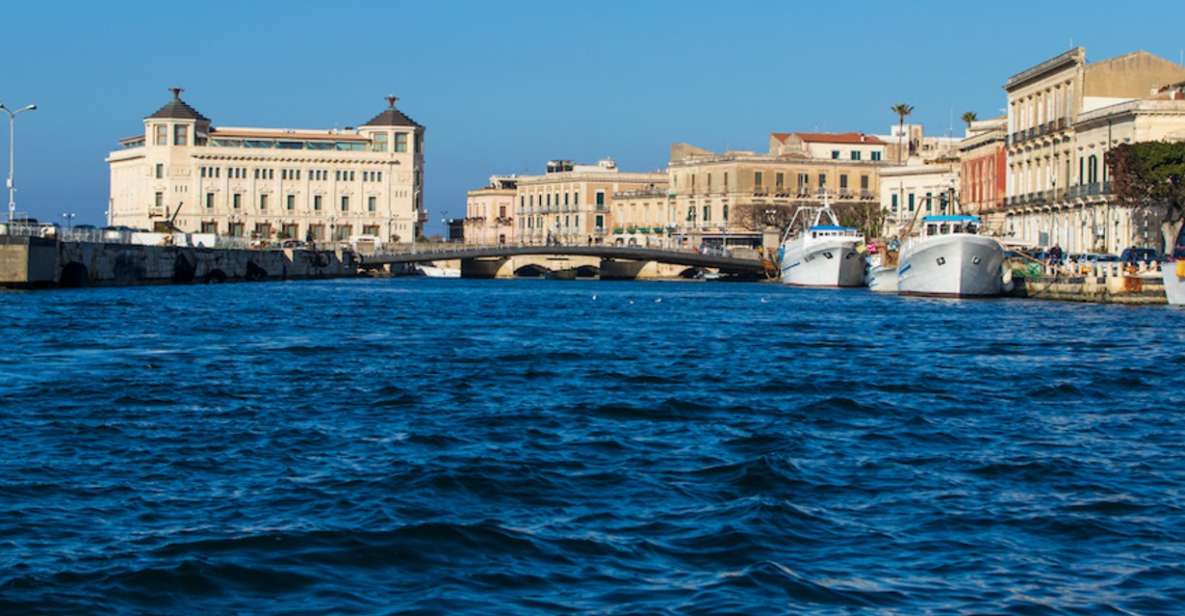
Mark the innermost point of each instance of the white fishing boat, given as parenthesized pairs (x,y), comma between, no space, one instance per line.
(1174,282)
(431,270)
(881,276)
(950,258)
(823,253)
(1173,271)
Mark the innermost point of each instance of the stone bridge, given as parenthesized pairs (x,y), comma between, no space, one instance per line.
(609,262)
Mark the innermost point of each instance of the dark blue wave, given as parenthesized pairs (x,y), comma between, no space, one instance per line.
(441,447)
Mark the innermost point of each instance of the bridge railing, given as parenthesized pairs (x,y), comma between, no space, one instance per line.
(450,248)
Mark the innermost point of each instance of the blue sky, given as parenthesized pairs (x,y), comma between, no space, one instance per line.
(503,87)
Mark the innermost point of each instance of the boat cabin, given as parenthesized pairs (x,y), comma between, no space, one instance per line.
(821,231)
(949,225)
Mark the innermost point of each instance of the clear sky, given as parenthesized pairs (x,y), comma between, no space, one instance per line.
(504,86)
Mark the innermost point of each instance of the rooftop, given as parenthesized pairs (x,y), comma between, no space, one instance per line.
(844,138)
(392,116)
(178,109)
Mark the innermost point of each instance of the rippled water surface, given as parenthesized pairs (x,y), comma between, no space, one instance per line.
(535,446)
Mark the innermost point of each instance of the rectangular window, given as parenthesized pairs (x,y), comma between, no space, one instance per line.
(209,201)
(160,134)
(843,181)
(160,171)
(291,202)
(209,227)
(235,229)
(372,204)
(894,202)
(203,172)
(822,180)
(236,201)
(600,198)
(400,142)
(855,154)
(575,198)
(159,199)
(257,174)
(345,204)
(834,154)
(379,142)
(725,180)
(600,222)
(876,156)
(780,180)
(180,135)
(707,213)
(929,202)
(263,202)
(317,203)
(864,182)
(758,179)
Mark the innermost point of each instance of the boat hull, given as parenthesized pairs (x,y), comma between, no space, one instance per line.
(1174,285)
(435,271)
(882,278)
(829,263)
(958,265)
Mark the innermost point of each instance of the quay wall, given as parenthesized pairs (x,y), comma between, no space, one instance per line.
(38,262)
(1124,289)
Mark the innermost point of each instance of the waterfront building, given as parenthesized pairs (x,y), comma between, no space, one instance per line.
(489,212)
(744,197)
(571,203)
(910,191)
(982,172)
(1058,190)
(642,217)
(270,183)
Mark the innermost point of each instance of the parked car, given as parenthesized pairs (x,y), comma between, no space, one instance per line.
(1135,256)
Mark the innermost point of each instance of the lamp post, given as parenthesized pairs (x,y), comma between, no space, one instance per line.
(69,218)
(11,150)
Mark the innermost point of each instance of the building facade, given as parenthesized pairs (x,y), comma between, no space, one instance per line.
(571,203)
(983,165)
(738,197)
(270,184)
(643,217)
(489,212)
(1057,184)
(909,192)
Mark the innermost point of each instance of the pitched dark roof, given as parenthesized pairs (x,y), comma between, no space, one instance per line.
(178,109)
(391,116)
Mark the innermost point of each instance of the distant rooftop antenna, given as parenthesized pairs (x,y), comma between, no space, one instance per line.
(391,100)
(176,92)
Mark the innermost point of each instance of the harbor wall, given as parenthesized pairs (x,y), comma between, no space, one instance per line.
(1123,289)
(38,262)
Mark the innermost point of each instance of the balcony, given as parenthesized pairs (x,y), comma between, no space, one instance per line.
(157,211)
(1032,132)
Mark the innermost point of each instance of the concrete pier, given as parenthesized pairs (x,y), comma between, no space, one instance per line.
(31,262)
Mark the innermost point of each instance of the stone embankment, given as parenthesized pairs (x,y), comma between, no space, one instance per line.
(31,262)
(1103,283)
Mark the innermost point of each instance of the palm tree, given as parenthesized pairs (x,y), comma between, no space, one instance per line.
(969,117)
(902,110)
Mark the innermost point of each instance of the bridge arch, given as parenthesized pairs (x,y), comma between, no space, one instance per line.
(531,270)
(588,271)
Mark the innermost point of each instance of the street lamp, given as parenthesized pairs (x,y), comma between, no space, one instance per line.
(11,149)
(69,218)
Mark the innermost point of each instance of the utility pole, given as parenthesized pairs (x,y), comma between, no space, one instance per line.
(11,155)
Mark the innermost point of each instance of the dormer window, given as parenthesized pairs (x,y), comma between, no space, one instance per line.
(180,134)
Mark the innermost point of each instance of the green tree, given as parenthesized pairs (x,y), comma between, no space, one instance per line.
(1149,177)
(902,110)
(969,117)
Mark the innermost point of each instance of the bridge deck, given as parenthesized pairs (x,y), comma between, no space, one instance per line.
(674,257)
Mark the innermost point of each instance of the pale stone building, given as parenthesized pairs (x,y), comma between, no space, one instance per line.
(643,217)
(269,183)
(905,142)
(740,197)
(489,212)
(1058,191)
(571,203)
(909,192)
